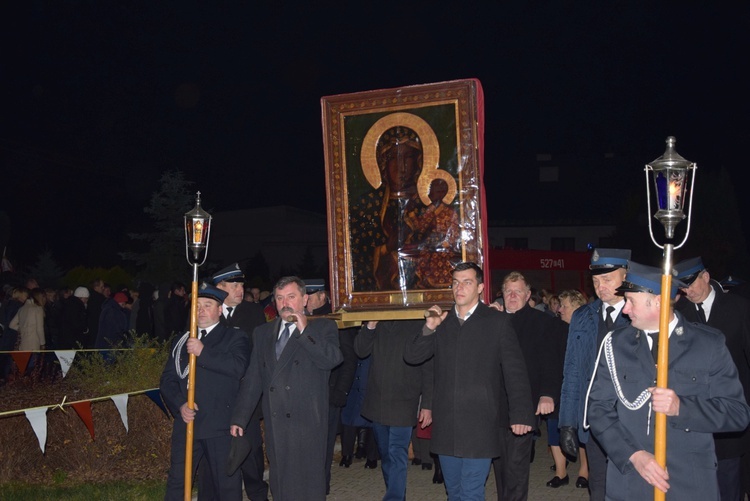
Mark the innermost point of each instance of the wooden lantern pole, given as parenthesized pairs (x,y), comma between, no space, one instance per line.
(662,363)
(191,387)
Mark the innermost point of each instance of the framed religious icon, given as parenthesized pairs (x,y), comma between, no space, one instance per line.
(405,196)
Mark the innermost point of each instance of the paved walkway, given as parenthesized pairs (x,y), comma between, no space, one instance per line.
(359,484)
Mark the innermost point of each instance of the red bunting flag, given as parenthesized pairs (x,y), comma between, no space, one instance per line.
(22,360)
(83,409)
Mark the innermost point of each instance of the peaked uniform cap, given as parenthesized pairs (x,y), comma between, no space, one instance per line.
(232,273)
(642,278)
(314,285)
(209,291)
(689,269)
(606,260)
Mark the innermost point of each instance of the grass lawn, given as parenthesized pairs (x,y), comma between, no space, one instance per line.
(142,491)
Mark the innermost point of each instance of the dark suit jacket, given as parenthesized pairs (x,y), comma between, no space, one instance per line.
(221,365)
(702,374)
(481,382)
(731,315)
(535,330)
(247,316)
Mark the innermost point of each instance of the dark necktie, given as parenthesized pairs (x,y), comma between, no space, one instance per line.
(204,333)
(654,344)
(229,312)
(701,313)
(609,320)
(281,342)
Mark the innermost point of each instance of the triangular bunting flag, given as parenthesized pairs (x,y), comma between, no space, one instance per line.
(156,397)
(22,360)
(66,360)
(121,402)
(38,419)
(83,409)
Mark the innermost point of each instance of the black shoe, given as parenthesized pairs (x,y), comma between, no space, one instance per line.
(426,466)
(346,461)
(416,462)
(557,481)
(371,464)
(582,483)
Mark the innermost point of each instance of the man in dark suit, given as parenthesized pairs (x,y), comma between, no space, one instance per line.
(342,376)
(481,386)
(704,301)
(222,356)
(245,316)
(289,367)
(535,332)
(704,397)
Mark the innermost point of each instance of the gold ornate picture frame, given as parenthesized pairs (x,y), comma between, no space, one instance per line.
(404,193)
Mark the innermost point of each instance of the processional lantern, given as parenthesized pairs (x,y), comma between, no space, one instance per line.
(673,179)
(197,231)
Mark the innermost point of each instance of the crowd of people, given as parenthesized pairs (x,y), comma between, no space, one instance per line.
(467,389)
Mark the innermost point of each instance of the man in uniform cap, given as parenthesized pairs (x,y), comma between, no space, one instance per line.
(317,297)
(704,397)
(246,316)
(588,326)
(704,301)
(222,355)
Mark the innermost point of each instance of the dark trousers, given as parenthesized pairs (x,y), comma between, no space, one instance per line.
(212,453)
(254,465)
(348,437)
(512,467)
(421,447)
(334,416)
(597,469)
(729,475)
(251,470)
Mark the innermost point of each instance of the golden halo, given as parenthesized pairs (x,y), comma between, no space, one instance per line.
(430,146)
(423,186)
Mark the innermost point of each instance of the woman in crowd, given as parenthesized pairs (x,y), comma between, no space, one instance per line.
(570,301)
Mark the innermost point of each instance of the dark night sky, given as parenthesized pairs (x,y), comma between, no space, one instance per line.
(101,97)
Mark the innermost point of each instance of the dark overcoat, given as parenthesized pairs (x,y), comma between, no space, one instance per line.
(394,387)
(731,315)
(704,377)
(294,393)
(539,345)
(481,383)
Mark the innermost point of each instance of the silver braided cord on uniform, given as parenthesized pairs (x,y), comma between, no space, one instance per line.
(176,354)
(609,356)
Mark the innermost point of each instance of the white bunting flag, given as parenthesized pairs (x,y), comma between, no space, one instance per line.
(121,402)
(66,359)
(38,419)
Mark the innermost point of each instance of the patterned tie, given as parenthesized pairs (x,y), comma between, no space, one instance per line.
(229,312)
(609,320)
(701,313)
(281,342)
